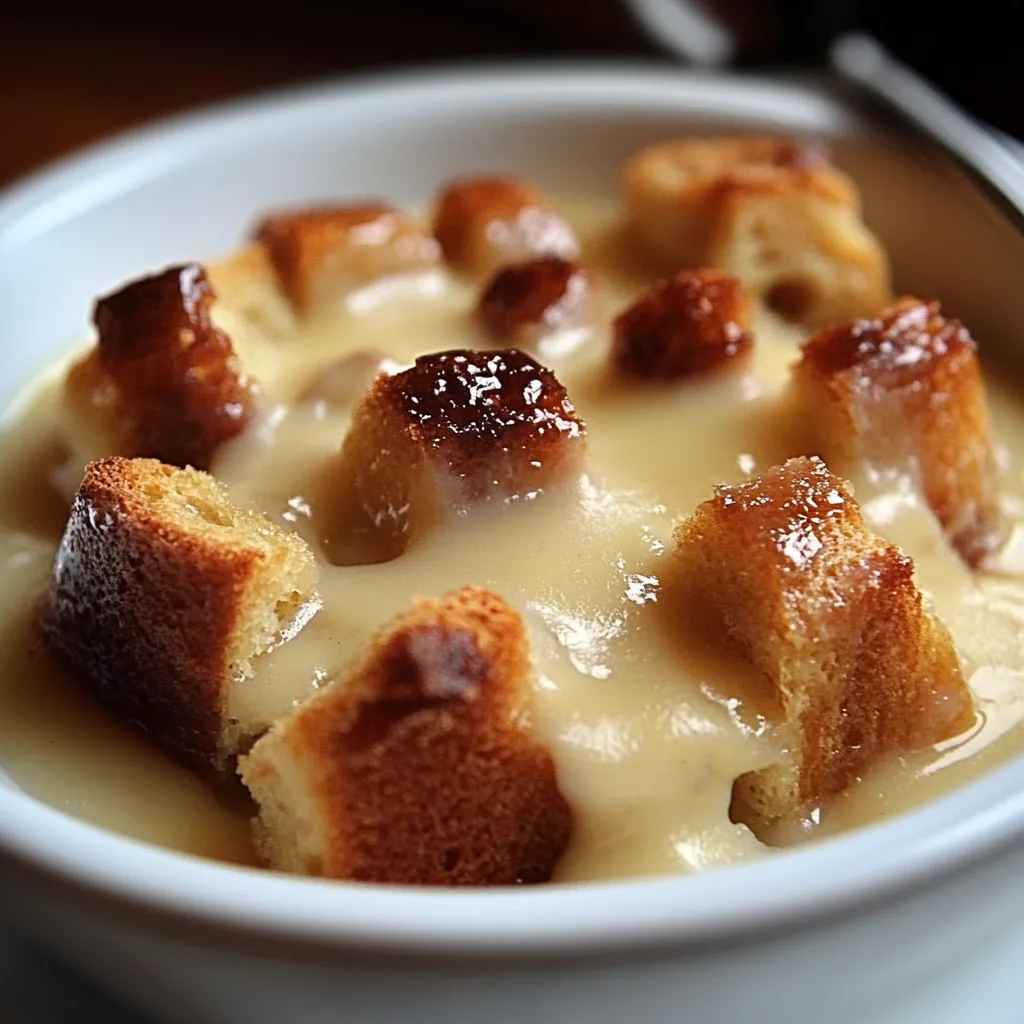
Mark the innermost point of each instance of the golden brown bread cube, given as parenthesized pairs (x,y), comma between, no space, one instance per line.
(250,305)
(689,324)
(164,595)
(162,381)
(541,304)
(417,766)
(486,223)
(904,389)
(322,253)
(772,212)
(456,430)
(785,571)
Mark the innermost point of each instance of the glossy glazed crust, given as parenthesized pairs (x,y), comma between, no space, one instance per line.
(772,212)
(483,224)
(155,590)
(322,253)
(524,303)
(684,326)
(905,389)
(162,381)
(418,765)
(785,570)
(458,429)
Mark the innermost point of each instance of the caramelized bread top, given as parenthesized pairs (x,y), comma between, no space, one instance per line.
(465,199)
(905,389)
(688,324)
(899,347)
(441,651)
(483,223)
(138,318)
(179,393)
(547,294)
(467,404)
(789,516)
(457,430)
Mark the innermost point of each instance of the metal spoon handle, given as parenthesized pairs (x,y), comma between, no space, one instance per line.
(919,106)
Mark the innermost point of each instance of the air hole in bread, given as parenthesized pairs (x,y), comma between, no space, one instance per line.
(286,608)
(791,299)
(208,512)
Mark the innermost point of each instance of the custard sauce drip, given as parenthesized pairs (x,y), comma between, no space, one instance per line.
(648,725)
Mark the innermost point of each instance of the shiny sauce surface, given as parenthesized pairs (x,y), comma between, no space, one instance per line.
(648,725)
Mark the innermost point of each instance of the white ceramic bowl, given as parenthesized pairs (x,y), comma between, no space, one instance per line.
(919,918)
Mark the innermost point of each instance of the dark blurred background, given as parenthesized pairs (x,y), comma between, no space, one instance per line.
(73,72)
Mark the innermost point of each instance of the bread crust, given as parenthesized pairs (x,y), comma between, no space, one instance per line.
(321,253)
(162,381)
(483,224)
(904,389)
(525,304)
(155,587)
(687,325)
(456,430)
(785,571)
(418,765)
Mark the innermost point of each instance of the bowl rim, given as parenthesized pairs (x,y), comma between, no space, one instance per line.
(791,889)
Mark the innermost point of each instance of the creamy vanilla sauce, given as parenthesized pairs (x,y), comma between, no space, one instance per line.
(648,727)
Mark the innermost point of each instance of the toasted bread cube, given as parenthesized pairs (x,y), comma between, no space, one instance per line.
(457,429)
(323,253)
(545,304)
(484,224)
(417,766)
(675,189)
(904,389)
(785,569)
(161,381)
(689,324)
(771,212)
(250,305)
(163,596)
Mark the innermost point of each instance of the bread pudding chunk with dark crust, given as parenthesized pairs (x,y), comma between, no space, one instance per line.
(320,254)
(458,429)
(687,325)
(543,305)
(787,572)
(904,389)
(417,766)
(162,381)
(163,596)
(484,224)
(773,212)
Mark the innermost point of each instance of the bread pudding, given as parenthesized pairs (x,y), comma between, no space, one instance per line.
(523,538)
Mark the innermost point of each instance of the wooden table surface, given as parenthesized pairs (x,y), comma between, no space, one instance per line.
(68,80)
